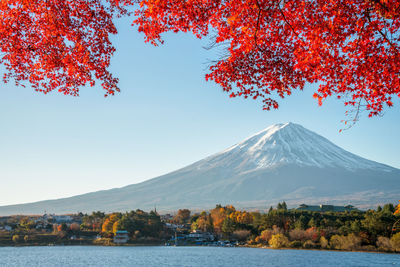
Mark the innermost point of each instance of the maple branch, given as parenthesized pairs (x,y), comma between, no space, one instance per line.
(359,37)
(381,33)
(260,10)
(258,21)
(355,117)
(213,44)
(287,22)
(357,111)
(291,27)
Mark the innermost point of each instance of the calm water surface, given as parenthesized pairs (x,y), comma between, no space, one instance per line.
(186,256)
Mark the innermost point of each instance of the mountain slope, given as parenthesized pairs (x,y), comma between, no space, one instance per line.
(282,162)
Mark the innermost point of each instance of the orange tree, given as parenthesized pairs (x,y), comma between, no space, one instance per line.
(397,210)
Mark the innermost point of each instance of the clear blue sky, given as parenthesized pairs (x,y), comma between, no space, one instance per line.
(165,118)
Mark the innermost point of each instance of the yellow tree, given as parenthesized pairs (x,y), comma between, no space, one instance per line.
(245,218)
(115,227)
(278,241)
(108,224)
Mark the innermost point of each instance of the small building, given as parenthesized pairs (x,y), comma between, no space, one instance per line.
(121,237)
(198,235)
(166,217)
(325,208)
(62,218)
(171,226)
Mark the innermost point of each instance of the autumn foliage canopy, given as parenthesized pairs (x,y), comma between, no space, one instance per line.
(58,44)
(272,47)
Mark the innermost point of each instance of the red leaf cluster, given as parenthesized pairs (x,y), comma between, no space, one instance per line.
(58,44)
(350,48)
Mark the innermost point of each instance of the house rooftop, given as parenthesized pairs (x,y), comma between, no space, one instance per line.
(122,232)
(324,208)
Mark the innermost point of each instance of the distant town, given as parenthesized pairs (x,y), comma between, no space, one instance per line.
(307,227)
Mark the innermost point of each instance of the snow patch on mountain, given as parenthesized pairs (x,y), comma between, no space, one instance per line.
(289,143)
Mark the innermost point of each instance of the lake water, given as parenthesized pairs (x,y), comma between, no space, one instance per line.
(186,256)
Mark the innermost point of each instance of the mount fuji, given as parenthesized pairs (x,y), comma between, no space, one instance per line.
(283,162)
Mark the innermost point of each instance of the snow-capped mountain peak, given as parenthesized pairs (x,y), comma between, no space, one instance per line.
(290,143)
